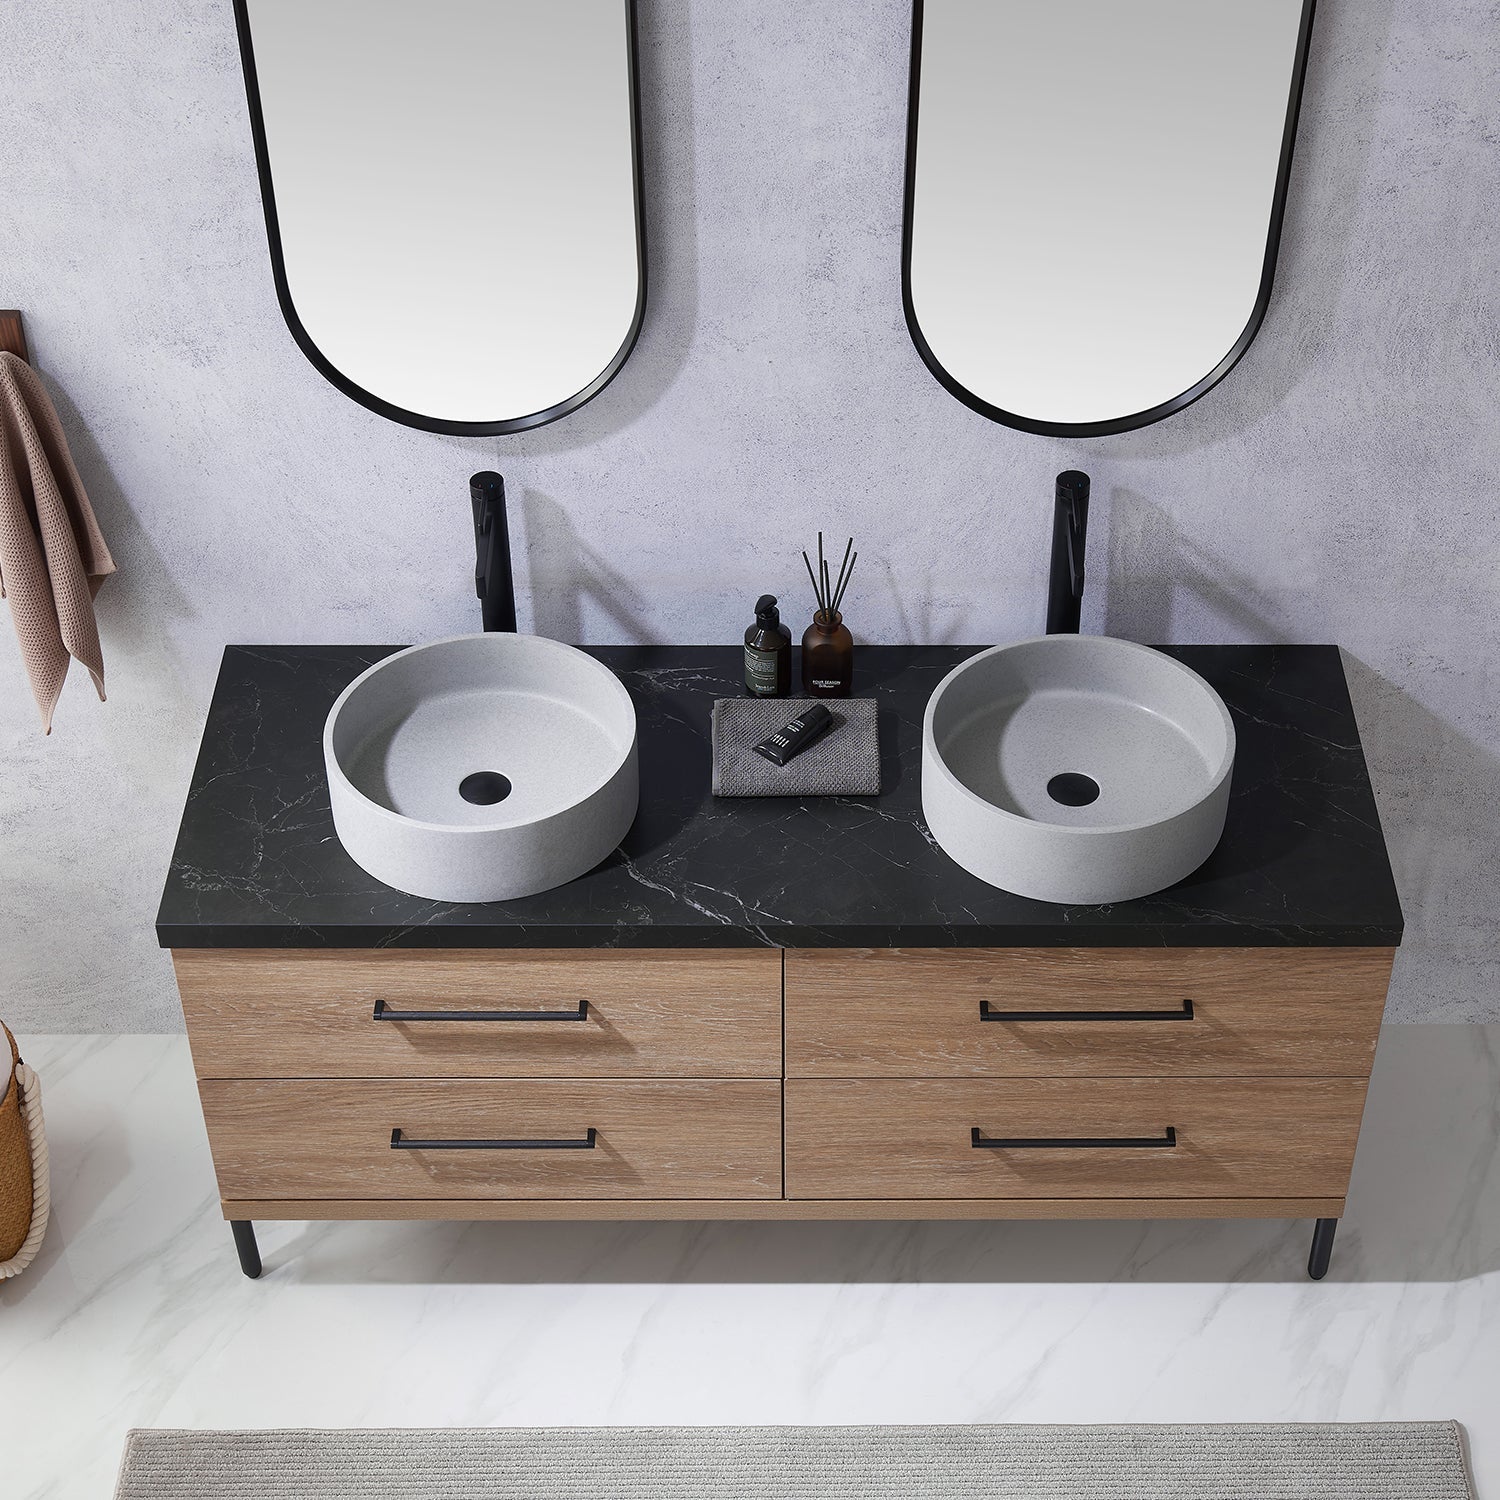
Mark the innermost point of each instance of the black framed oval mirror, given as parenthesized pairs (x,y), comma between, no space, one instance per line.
(1094,198)
(452,199)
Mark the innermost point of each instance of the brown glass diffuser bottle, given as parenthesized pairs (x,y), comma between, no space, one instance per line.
(827,647)
(827,657)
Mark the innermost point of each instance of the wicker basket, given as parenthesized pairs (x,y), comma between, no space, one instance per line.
(23,1162)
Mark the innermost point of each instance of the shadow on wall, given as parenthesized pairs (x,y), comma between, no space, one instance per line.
(924,604)
(1320,249)
(1438,790)
(1149,566)
(670,209)
(137,609)
(1424,1205)
(1439,798)
(131,629)
(1149,560)
(563,571)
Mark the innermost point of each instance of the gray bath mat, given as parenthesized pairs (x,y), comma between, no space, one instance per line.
(1380,1461)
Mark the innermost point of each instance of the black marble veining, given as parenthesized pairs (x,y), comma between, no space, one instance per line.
(257,862)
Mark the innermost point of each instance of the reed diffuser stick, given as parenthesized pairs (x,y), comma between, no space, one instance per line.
(838,588)
(844,577)
(833,598)
(828,588)
(817,592)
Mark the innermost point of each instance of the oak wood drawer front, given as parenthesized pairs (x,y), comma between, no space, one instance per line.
(913,1013)
(914,1138)
(309,1138)
(261,1013)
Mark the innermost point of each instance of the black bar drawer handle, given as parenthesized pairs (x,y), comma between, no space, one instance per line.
(401,1142)
(988,1013)
(1167,1139)
(383,1012)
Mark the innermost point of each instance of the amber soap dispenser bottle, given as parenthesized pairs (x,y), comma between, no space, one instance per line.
(768,652)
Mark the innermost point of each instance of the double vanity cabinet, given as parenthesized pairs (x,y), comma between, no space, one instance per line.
(781,1008)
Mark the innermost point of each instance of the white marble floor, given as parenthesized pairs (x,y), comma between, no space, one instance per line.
(136,1313)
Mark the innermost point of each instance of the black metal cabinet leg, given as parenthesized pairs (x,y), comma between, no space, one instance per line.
(244,1243)
(1322,1248)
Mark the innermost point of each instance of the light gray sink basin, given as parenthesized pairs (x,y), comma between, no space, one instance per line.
(482,768)
(1076,768)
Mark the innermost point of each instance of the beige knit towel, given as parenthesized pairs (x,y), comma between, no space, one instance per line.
(52,557)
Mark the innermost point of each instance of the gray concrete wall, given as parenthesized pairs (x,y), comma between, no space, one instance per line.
(1340,485)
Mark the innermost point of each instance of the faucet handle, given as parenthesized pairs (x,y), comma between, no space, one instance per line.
(1073,487)
(486,491)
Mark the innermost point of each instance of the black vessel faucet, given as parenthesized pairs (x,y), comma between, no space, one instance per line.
(492,576)
(1070,523)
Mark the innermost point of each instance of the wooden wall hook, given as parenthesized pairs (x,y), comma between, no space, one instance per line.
(13,334)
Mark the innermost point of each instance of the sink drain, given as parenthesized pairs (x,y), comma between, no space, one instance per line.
(485,787)
(1073,789)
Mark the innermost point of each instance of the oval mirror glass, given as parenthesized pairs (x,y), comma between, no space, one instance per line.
(1094,198)
(452,197)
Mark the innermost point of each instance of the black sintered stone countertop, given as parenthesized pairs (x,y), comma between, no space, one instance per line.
(257,862)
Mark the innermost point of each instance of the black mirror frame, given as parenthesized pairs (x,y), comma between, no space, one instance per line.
(1193,392)
(358,393)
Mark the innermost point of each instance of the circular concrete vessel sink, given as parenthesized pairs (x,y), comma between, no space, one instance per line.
(1076,768)
(482,768)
